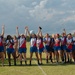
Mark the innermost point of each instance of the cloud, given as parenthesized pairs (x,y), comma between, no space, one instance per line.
(34,3)
(39,11)
(50,14)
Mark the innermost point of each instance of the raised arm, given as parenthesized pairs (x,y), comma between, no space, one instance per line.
(27,31)
(40,32)
(3,30)
(64,31)
(17,31)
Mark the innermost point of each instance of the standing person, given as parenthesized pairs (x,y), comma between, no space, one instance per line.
(73,50)
(16,45)
(69,47)
(10,49)
(63,47)
(47,47)
(22,45)
(2,46)
(57,47)
(33,45)
(40,45)
(52,46)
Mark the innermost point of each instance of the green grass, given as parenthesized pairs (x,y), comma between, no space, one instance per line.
(49,69)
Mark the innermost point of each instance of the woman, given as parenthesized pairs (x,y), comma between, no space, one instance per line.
(2,46)
(69,47)
(57,47)
(73,50)
(40,45)
(47,47)
(63,47)
(16,45)
(52,42)
(22,46)
(10,49)
(33,45)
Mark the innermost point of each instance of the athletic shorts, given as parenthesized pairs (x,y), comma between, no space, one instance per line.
(1,48)
(73,48)
(47,48)
(56,48)
(22,50)
(33,49)
(69,50)
(10,50)
(52,49)
(40,50)
(63,47)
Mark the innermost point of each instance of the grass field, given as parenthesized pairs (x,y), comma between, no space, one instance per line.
(46,69)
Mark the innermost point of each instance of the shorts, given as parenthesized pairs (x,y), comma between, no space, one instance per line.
(33,49)
(47,48)
(10,50)
(22,50)
(63,47)
(52,49)
(69,50)
(40,50)
(73,48)
(56,48)
(1,48)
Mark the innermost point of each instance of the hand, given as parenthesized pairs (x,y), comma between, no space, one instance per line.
(3,26)
(17,27)
(40,28)
(26,27)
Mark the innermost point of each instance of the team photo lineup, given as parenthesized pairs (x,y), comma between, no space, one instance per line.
(58,48)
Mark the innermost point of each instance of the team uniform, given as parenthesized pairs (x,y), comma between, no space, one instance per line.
(22,45)
(40,45)
(69,45)
(1,44)
(52,44)
(63,43)
(10,48)
(73,44)
(63,48)
(57,44)
(47,44)
(33,47)
(73,49)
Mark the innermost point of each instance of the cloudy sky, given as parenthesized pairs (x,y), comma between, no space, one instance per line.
(51,15)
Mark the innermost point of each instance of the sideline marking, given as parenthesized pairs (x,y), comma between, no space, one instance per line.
(40,68)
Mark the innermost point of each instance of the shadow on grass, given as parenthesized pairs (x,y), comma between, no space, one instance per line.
(34,64)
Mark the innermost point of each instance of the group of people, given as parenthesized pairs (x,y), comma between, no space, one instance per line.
(56,47)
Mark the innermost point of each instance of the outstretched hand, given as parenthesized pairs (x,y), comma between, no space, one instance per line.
(3,26)
(17,27)
(26,27)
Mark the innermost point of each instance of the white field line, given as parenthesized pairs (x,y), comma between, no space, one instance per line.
(41,69)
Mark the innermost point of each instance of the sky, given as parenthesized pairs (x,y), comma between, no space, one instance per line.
(52,15)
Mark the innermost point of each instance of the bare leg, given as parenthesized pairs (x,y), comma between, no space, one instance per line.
(36,53)
(46,57)
(25,58)
(14,56)
(9,59)
(31,54)
(2,57)
(20,58)
(40,54)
